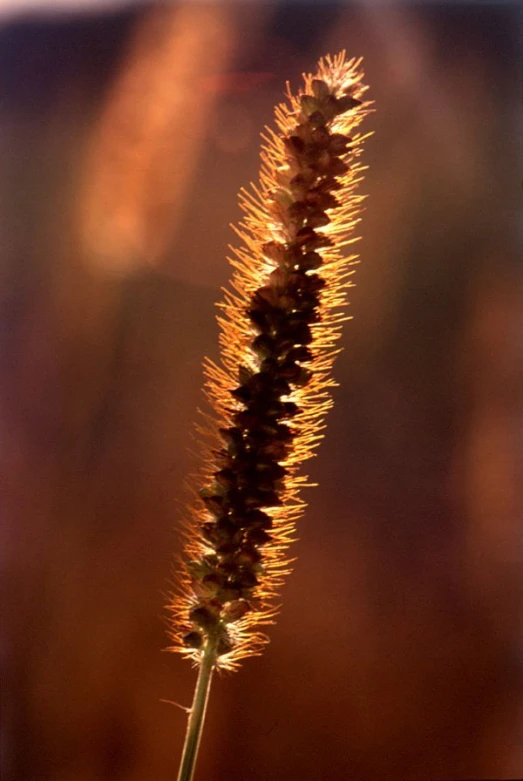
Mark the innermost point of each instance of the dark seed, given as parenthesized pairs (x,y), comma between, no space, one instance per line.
(305,235)
(311,260)
(297,211)
(304,378)
(227,566)
(263,345)
(215,504)
(309,105)
(314,283)
(244,374)
(214,579)
(249,555)
(229,593)
(302,334)
(270,366)
(258,537)
(204,617)
(266,297)
(246,579)
(337,167)
(317,119)
(329,106)
(277,450)
(303,180)
(273,250)
(318,219)
(247,419)
(225,477)
(319,88)
(294,144)
(319,240)
(338,143)
(347,103)
(321,136)
(258,519)
(278,279)
(242,393)
(224,645)
(259,319)
(193,640)
(268,498)
(235,610)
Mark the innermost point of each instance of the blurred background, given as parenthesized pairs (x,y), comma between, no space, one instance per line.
(126,131)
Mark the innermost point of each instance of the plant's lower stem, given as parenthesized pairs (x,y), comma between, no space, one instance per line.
(197,713)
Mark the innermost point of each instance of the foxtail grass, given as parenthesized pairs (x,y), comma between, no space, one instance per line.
(280,323)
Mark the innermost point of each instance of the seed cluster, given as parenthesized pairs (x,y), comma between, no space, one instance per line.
(278,332)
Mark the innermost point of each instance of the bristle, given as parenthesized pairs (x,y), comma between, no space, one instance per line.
(280,322)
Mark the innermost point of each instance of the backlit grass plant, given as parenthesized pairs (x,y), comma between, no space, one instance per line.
(280,322)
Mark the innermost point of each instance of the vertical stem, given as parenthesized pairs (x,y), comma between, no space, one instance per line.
(197,713)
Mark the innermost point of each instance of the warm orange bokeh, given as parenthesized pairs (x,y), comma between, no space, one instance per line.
(397,651)
(145,147)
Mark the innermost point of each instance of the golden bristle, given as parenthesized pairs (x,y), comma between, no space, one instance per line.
(280,322)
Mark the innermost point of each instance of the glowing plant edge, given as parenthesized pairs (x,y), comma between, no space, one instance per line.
(289,268)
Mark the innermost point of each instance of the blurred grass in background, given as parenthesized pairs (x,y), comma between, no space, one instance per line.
(124,138)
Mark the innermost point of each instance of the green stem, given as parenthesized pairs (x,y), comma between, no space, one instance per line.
(197,713)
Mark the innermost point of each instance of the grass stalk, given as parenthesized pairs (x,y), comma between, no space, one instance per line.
(197,712)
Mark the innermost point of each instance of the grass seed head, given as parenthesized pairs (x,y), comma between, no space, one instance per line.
(280,322)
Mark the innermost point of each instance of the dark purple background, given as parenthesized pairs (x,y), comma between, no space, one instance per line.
(398,650)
